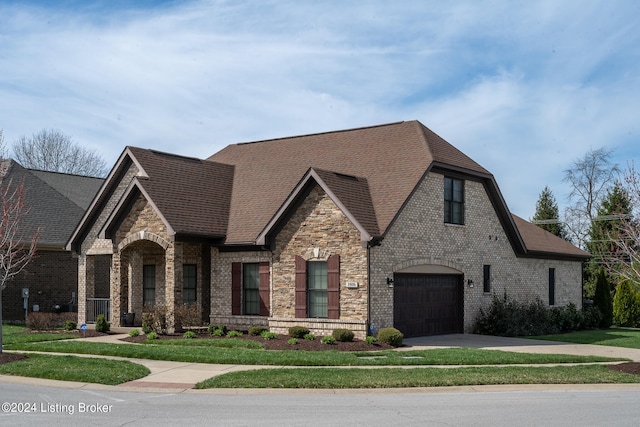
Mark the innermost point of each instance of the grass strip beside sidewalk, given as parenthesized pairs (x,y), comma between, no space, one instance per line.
(241,356)
(78,369)
(330,378)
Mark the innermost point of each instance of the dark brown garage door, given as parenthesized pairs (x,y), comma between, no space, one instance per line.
(427,304)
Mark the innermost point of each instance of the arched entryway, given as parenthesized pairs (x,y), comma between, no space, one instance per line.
(143,279)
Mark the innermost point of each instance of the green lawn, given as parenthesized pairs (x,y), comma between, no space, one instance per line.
(243,356)
(616,337)
(73,368)
(14,334)
(419,377)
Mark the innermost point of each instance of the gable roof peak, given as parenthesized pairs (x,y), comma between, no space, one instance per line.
(321,133)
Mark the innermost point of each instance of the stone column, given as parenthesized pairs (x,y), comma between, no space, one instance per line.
(134,279)
(173,282)
(116,289)
(86,285)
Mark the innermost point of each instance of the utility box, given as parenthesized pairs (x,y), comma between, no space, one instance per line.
(25,292)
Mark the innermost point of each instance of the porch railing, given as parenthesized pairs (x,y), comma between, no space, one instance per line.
(96,306)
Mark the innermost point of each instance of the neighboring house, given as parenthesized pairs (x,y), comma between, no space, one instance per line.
(360,229)
(56,202)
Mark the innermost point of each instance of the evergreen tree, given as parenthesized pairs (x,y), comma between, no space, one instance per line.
(613,210)
(547,214)
(603,301)
(626,310)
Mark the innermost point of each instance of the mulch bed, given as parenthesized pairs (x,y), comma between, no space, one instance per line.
(281,342)
(627,368)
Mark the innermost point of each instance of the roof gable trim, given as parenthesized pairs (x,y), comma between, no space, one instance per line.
(296,193)
(123,206)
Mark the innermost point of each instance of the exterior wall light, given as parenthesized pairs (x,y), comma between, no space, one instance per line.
(389,282)
(470,283)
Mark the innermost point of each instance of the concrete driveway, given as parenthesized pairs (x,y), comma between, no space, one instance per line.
(518,345)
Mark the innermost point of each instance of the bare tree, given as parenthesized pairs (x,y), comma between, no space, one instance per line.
(3,146)
(52,150)
(590,178)
(16,249)
(625,237)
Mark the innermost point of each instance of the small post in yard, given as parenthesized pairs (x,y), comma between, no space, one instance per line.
(83,328)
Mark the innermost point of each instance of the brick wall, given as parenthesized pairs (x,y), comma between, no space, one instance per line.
(51,278)
(419,240)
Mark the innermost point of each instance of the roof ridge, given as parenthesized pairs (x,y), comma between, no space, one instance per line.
(321,133)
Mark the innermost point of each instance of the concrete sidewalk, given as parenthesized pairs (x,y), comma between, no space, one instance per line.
(519,345)
(181,376)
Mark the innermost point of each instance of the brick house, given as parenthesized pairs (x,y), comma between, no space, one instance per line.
(365,228)
(56,203)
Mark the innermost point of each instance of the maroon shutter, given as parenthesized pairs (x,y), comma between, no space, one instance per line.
(301,287)
(236,288)
(333,287)
(264,288)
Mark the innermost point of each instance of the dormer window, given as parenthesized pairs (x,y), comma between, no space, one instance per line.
(453,201)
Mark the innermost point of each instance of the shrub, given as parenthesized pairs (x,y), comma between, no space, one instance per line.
(309,337)
(147,322)
(214,327)
(217,333)
(188,315)
(232,334)
(293,341)
(298,331)
(328,340)
(602,300)
(257,330)
(391,336)
(101,324)
(70,325)
(342,335)
(592,317)
(626,305)
(134,333)
(155,319)
(269,335)
(189,334)
(371,339)
(40,321)
(152,336)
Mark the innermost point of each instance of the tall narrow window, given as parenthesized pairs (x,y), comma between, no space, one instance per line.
(453,201)
(486,282)
(189,283)
(148,285)
(317,298)
(552,286)
(251,288)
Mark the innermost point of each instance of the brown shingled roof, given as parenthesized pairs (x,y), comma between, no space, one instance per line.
(193,195)
(392,158)
(240,192)
(537,240)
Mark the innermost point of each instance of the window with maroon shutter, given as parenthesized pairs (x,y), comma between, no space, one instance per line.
(333,287)
(236,288)
(301,287)
(265,279)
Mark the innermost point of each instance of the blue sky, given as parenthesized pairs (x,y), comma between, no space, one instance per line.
(522,87)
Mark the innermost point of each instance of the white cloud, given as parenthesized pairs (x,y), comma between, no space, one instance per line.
(522,89)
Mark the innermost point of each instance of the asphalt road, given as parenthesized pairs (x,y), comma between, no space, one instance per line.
(29,405)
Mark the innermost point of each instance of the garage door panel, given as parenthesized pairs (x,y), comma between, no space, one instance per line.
(427,304)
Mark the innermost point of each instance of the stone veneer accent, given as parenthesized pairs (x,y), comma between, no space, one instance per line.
(316,230)
(419,241)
